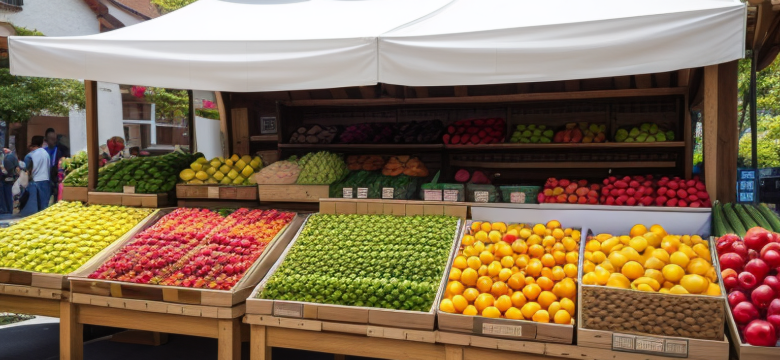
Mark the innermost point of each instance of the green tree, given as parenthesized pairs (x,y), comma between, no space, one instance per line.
(167,6)
(171,106)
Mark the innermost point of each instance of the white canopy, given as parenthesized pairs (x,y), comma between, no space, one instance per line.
(277,45)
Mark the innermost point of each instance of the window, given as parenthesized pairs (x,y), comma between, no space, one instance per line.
(13,2)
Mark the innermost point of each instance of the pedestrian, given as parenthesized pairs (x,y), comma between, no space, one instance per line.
(38,167)
(10,171)
(56,152)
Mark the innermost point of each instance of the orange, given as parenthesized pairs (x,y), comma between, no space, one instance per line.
(498,226)
(474,262)
(590,279)
(491,312)
(557,272)
(460,262)
(713,290)
(476,226)
(469,251)
(483,301)
(638,230)
(455,288)
(481,236)
(460,303)
(658,230)
(560,257)
(673,272)
(602,275)
(546,298)
(598,257)
(554,308)
(678,289)
(670,243)
(548,241)
(499,288)
(494,268)
(536,251)
(531,291)
(569,244)
(514,314)
(530,280)
(572,257)
(633,270)
(479,247)
(698,266)
(529,309)
(519,247)
(566,288)
(516,281)
(503,249)
(558,234)
(618,280)
(486,226)
(525,233)
(522,261)
(503,303)
(507,261)
(553,224)
(541,316)
(484,284)
(470,310)
(494,236)
(468,240)
(548,260)
(568,305)
(593,245)
(539,229)
(483,270)
(455,274)
(655,274)
(534,267)
(679,258)
(545,283)
(518,299)
(695,284)
(570,270)
(486,257)
(534,240)
(562,317)
(447,306)
(504,274)
(547,272)
(469,277)
(470,294)
(702,251)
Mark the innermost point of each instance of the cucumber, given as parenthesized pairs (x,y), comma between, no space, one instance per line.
(745,217)
(733,220)
(756,215)
(770,216)
(718,226)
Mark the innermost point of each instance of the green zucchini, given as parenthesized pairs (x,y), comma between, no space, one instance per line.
(733,219)
(718,227)
(770,216)
(756,215)
(745,217)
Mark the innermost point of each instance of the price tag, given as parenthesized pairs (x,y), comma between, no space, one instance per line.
(517,198)
(128,189)
(387,193)
(362,193)
(502,330)
(481,196)
(432,195)
(346,193)
(213,192)
(451,195)
(288,310)
(650,345)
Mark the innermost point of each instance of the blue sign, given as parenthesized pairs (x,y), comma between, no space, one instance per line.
(747,186)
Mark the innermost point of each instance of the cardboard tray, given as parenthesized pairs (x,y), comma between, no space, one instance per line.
(216,192)
(80,283)
(404,319)
(70,193)
(506,328)
(10,276)
(137,200)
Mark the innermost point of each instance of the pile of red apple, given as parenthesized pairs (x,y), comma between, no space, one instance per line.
(749,268)
(475,131)
(196,248)
(647,191)
(566,191)
(678,192)
(628,191)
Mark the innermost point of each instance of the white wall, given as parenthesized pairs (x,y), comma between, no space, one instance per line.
(109,112)
(55,17)
(77,126)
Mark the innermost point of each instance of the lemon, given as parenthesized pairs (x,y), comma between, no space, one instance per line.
(240,164)
(673,272)
(679,258)
(677,289)
(617,280)
(617,259)
(654,263)
(224,169)
(202,175)
(248,171)
(218,176)
(187,174)
(694,284)
(233,175)
(632,270)
(648,281)
(211,170)
(638,243)
(196,166)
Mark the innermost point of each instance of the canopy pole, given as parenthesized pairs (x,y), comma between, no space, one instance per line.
(753,117)
(191,122)
(93,149)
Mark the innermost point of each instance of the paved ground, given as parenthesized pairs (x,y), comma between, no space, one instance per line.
(40,341)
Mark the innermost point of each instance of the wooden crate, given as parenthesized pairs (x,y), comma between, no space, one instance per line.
(26,283)
(70,193)
(215,192)
(393,207)
(744,350)
(136,200)
(346,314)
(482,327)
(81,284)
(292,193)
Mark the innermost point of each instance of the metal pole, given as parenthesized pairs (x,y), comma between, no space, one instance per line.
(191,122)
(754,122)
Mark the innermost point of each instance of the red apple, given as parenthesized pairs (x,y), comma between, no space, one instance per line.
(735,297)
(756,238)
(758,268)
(771,257)
(774,307)
(762,296)
(747,280)
(732,261)
(774,283)
(775,321)
(724,243)
(740,248)
(744,312)
(760,333)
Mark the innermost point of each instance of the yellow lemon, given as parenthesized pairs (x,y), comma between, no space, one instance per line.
(695,284)
(677,289)
(679,258)
(632,270)
(638,243)
(618,281)
(673,273)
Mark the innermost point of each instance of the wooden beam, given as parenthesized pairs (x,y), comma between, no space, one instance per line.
(240,126)
(663,79)
(129,319)
(572,85)
(710,126)
(339,93)
(223,124)
(229,339)
(461,91)
(688,138)
(622,82)
(644,81)
(71,333)
(728,138)
(421,91)
(368,92)
(93,148)
(683,77)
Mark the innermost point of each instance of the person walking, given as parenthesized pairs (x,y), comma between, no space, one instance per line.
(38,166)
(56,151)
(10,171)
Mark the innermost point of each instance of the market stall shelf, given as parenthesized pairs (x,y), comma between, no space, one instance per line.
(70,193)
(394,207)
(216,192)
(131,199)
(292,193)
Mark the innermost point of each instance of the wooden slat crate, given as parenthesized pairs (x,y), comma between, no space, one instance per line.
(81,284)
(216,312)
(393,207)
(136,200)
(23,278)
(75,194)
(292,193)
(345,314)
(184,191)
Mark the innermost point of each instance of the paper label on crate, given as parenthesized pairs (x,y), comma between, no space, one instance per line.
(346,193)
(213,192)
(517,198)
(288,310)
(362,193)
(451,195)
(128,189)
(432,195)
(481,196)
(502,330)
(650,345)
(387,193)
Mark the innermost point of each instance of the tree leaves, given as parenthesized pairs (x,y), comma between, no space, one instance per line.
(23,97)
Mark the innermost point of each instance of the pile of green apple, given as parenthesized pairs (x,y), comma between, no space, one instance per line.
(65,236)
(645,133)
(531,134)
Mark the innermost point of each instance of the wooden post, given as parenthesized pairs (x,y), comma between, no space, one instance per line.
(71,333)
(93,149)
(258,347)
(191,122)
(710,127)
(229,339)
(720,131)
(223,125)
(240,127)
(453,352)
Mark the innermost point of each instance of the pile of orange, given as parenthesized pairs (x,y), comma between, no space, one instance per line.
(518,272)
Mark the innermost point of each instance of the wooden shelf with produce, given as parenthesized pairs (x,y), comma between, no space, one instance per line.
(264,138)
(363,147)
(566,165)
(568,146)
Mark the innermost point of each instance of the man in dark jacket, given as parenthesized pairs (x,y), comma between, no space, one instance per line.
(9,172)
(56,152)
